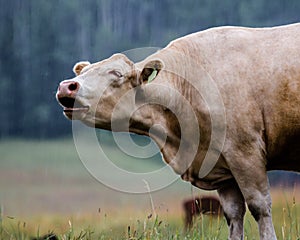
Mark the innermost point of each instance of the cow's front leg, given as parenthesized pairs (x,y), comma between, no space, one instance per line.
(260,207)
(233,204)
(252,180)
(258,199)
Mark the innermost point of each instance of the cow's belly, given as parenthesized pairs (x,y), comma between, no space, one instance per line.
(213,181)
(216,177)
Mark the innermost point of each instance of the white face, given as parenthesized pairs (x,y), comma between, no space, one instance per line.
(92,95)
(100,88)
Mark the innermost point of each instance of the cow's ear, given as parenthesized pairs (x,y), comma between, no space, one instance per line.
(79,66)
(150,71)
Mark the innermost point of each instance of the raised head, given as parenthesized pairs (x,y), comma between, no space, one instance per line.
(99,87)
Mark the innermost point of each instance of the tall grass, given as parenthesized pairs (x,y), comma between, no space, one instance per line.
(290,225)
(150,227)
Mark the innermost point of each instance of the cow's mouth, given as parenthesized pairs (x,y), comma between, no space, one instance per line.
(71,105)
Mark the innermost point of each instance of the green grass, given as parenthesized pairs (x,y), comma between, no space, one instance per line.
(45,188)
(148,228)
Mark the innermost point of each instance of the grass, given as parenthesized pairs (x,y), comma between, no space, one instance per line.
(147,228)
(150,227)
(45,188)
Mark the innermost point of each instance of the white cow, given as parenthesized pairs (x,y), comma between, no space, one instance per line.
(222,104)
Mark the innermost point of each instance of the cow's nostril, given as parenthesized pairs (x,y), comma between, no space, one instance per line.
(73,87)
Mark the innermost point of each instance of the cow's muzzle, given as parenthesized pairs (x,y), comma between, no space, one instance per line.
(66,96)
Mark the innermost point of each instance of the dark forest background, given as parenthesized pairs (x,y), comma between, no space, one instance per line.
(40,40)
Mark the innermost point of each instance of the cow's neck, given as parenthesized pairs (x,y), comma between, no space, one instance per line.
(162,126)
(159,124)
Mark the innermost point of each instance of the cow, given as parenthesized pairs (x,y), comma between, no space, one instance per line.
(208,205)
(222,105)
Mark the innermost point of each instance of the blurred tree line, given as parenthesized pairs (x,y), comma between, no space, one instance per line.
(40,40)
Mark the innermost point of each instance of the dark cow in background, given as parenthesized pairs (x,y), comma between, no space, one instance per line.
(201,205)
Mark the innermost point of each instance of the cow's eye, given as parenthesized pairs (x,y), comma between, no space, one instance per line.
(116,73)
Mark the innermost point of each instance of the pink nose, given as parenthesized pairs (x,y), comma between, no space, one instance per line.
(68,88)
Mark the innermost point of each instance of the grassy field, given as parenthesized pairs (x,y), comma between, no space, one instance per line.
(45,188)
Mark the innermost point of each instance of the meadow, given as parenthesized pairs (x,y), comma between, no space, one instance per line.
(44,188)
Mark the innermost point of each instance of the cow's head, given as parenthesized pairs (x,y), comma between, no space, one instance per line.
(98,88)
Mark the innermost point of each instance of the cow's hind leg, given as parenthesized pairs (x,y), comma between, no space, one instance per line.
(233,204)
